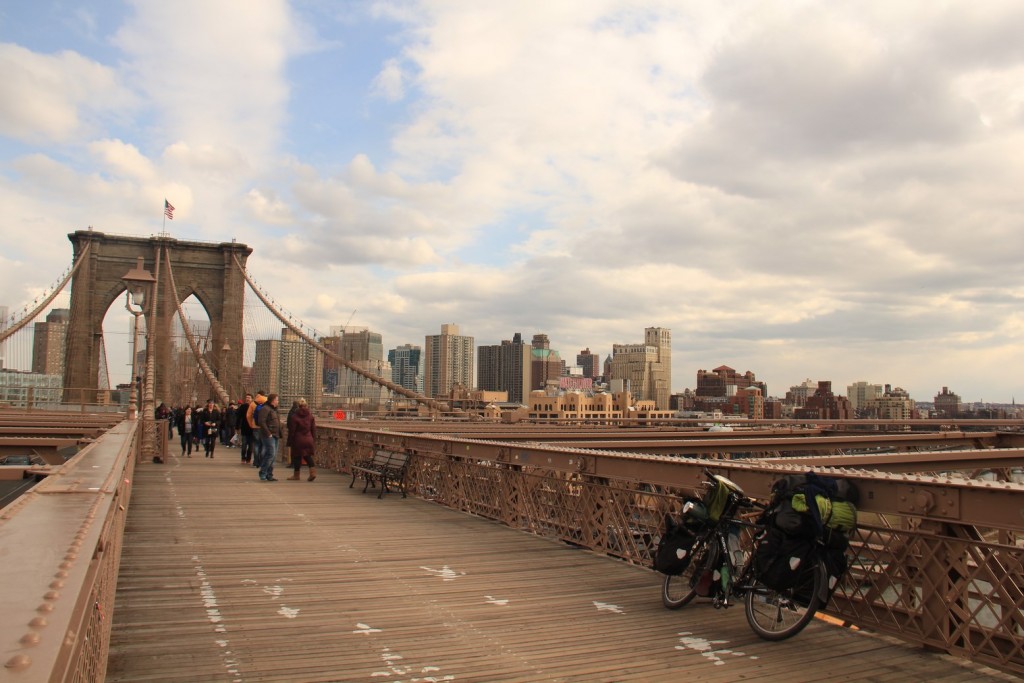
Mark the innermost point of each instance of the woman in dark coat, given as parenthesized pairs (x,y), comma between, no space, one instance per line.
(302,439)
(187,427)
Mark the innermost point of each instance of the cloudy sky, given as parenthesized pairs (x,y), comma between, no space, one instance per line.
(807,190)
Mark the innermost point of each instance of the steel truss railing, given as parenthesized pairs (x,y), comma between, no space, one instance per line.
(936,561)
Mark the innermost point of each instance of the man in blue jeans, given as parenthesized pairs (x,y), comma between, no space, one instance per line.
(269,423)
(251,416)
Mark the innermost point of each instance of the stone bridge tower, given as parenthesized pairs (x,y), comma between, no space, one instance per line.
(206,270)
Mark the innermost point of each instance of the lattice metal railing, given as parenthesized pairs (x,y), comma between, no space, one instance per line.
(945,584)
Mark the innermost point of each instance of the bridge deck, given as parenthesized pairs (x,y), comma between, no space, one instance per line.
(226,578)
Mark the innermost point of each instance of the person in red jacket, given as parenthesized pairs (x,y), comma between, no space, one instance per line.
(302,439)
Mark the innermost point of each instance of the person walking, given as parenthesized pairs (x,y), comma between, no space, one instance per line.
(186,427)
(210,418)
(286,452)
(227,425)
(251,413)
(270,434)
(164,413)
(244,430)
(302,439)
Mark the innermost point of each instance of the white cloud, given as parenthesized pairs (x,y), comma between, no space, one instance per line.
(217,81)
(390,82)
(54,97)
(802,190)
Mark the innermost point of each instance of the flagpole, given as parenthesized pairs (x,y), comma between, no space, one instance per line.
(168,213)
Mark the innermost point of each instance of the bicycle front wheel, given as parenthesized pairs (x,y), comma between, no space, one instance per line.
(777,615)
(679,589)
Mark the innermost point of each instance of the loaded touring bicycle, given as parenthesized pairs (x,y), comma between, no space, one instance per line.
(794,555)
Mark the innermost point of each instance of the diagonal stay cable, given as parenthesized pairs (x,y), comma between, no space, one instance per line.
(439,406)
(26,319)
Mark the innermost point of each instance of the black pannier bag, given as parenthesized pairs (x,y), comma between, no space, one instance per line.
(672,556)
(790,540)
(782,561)
(836,562)
(783,516)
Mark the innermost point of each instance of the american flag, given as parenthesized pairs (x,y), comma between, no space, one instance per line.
(168,210)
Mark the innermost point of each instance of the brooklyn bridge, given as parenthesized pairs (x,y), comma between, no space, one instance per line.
(510,551)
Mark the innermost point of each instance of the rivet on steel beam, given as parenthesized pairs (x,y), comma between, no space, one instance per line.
(57,584)
(45,608)
(29,639)
(39,622)
(19,662)
(51,595)
(61,574)
(66,565)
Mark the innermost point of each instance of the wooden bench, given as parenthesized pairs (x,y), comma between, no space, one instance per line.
(386,468)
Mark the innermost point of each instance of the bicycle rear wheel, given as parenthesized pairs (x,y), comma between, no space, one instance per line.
(679,589)
(777,615)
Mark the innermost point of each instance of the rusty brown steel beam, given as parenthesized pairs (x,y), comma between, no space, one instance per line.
(54,432)
(767,443)
(62,418)
(918,461)
(675,424)
(990,504)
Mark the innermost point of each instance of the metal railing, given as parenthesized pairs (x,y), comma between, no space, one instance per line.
(56,624)
(936,561)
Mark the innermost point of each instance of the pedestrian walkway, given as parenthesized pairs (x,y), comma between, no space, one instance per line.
(226,578)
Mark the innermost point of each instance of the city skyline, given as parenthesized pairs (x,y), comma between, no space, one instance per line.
(806,191)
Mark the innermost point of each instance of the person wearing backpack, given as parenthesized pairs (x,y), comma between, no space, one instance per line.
(270,434)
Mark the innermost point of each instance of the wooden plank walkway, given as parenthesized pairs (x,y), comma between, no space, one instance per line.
(226,578)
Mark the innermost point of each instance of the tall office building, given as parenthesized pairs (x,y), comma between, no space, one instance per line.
(893,404)
(545,363)
(860,393)
(645,369)
(360,344)
(407,367)
(365,350)
(332,368)
(947,403)
(661,381)
(290,368)
(448,362)
(590,362)
(48,343)
(505,367)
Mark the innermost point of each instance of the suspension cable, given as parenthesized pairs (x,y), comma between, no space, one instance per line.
(433,404)
(26,319)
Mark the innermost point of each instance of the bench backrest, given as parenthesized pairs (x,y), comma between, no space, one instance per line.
(397,461)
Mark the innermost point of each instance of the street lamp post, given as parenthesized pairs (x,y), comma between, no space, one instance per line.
(137,281)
